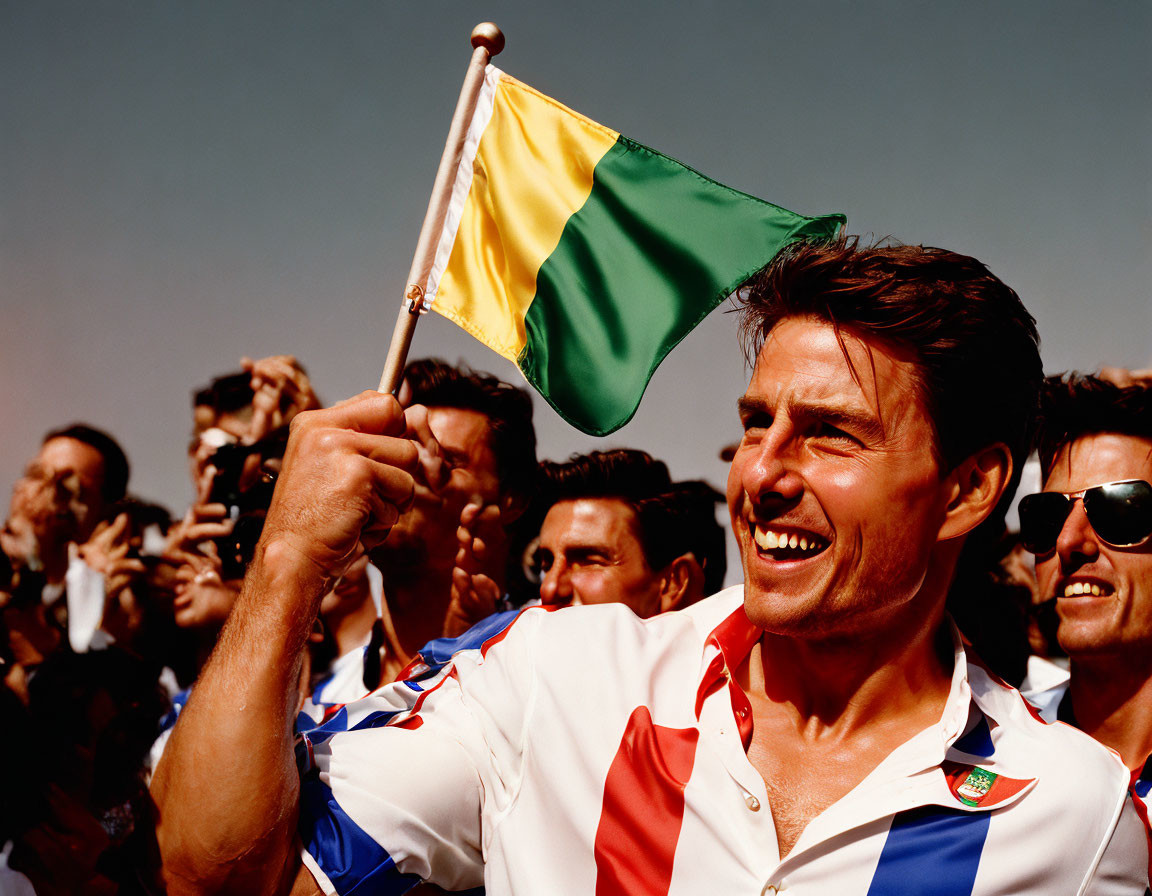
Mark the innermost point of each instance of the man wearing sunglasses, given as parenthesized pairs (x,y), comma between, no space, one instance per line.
(1091,531)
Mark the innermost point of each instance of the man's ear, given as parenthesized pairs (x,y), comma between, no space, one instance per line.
(512,505)
(681,583)
(975,488)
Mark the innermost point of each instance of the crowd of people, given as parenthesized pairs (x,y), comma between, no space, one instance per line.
(387,646)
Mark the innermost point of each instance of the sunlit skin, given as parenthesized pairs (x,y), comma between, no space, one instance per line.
(470,468)
(848,466)
(849,666)
(1118,621)
(1108,636)
(420,551)
(590,554)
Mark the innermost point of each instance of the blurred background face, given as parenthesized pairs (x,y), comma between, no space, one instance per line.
(58,499)
(429,527)
(1103,594)
(589,553)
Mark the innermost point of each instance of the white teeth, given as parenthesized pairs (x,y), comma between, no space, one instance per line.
(768,540)
(1076,588)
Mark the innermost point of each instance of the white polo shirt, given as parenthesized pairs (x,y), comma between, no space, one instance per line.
(586,751)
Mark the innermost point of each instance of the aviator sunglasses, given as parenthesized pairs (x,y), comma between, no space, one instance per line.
(1120,514)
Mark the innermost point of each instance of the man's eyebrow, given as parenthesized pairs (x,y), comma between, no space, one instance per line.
(746,407)
(858,422)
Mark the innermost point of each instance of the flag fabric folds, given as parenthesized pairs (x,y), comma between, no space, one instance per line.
(585,257)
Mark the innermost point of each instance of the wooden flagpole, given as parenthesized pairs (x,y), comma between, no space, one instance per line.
(487,41)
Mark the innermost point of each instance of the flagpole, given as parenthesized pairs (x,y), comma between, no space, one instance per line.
(487,41)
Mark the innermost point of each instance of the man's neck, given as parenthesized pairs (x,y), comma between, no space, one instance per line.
(417,605)
(1112,702)
(850,683)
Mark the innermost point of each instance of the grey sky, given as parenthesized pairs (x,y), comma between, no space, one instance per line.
(185,183)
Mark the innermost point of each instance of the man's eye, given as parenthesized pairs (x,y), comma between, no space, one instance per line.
(757,422)
(829,432)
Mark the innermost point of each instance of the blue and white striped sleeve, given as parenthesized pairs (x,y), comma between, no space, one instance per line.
(393,786)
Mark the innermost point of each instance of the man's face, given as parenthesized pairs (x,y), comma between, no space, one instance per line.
(590,554)
(59,498)
(429,527)
(835,494)
(1116,613)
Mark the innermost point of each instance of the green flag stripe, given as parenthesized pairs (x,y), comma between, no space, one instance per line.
(655,247)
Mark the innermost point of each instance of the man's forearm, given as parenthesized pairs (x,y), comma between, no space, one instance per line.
(227,787)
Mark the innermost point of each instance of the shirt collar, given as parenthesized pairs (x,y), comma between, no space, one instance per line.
(965,725)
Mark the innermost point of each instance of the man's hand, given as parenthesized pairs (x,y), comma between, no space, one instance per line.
(474,593)
(347,477)
(203,521)
(281,390)
(109,552)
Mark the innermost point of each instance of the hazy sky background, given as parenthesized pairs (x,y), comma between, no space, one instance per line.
(185,183)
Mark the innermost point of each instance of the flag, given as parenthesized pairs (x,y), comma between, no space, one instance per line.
(585,257)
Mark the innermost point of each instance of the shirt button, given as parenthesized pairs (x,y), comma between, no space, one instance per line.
(752,803)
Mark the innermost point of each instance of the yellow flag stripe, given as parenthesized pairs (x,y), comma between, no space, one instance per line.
(533,170)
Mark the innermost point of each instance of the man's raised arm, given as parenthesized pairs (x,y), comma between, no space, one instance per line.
(227,789)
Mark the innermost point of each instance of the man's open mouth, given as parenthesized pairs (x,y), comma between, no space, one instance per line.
(787,544)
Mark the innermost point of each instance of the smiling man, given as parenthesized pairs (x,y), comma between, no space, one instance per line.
(818,730)
(1091,531)
(619,530)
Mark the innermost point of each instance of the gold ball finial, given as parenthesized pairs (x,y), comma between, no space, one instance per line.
(487,35)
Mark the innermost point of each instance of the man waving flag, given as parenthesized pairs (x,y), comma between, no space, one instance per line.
(585,257)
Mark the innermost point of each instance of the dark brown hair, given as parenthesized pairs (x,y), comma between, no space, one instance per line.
(672,518)
(436,383)
(974,343)
(114,483)
(1077,405)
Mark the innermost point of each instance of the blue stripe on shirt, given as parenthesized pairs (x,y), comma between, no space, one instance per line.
(355,863)
(977,742)
(437,653)
(931,851)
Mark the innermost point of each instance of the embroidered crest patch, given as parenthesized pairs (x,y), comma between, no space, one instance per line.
(975,787)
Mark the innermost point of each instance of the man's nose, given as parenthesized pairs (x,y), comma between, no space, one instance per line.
(771,469)
(556,586)
(1077,540)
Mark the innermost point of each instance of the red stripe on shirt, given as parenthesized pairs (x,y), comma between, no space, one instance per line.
(643,808)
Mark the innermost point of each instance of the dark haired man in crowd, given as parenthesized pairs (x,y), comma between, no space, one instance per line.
(477,446)
(240,428)
(65,494)
(819,730)
(1091,531)
(613,528)
(620,530)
